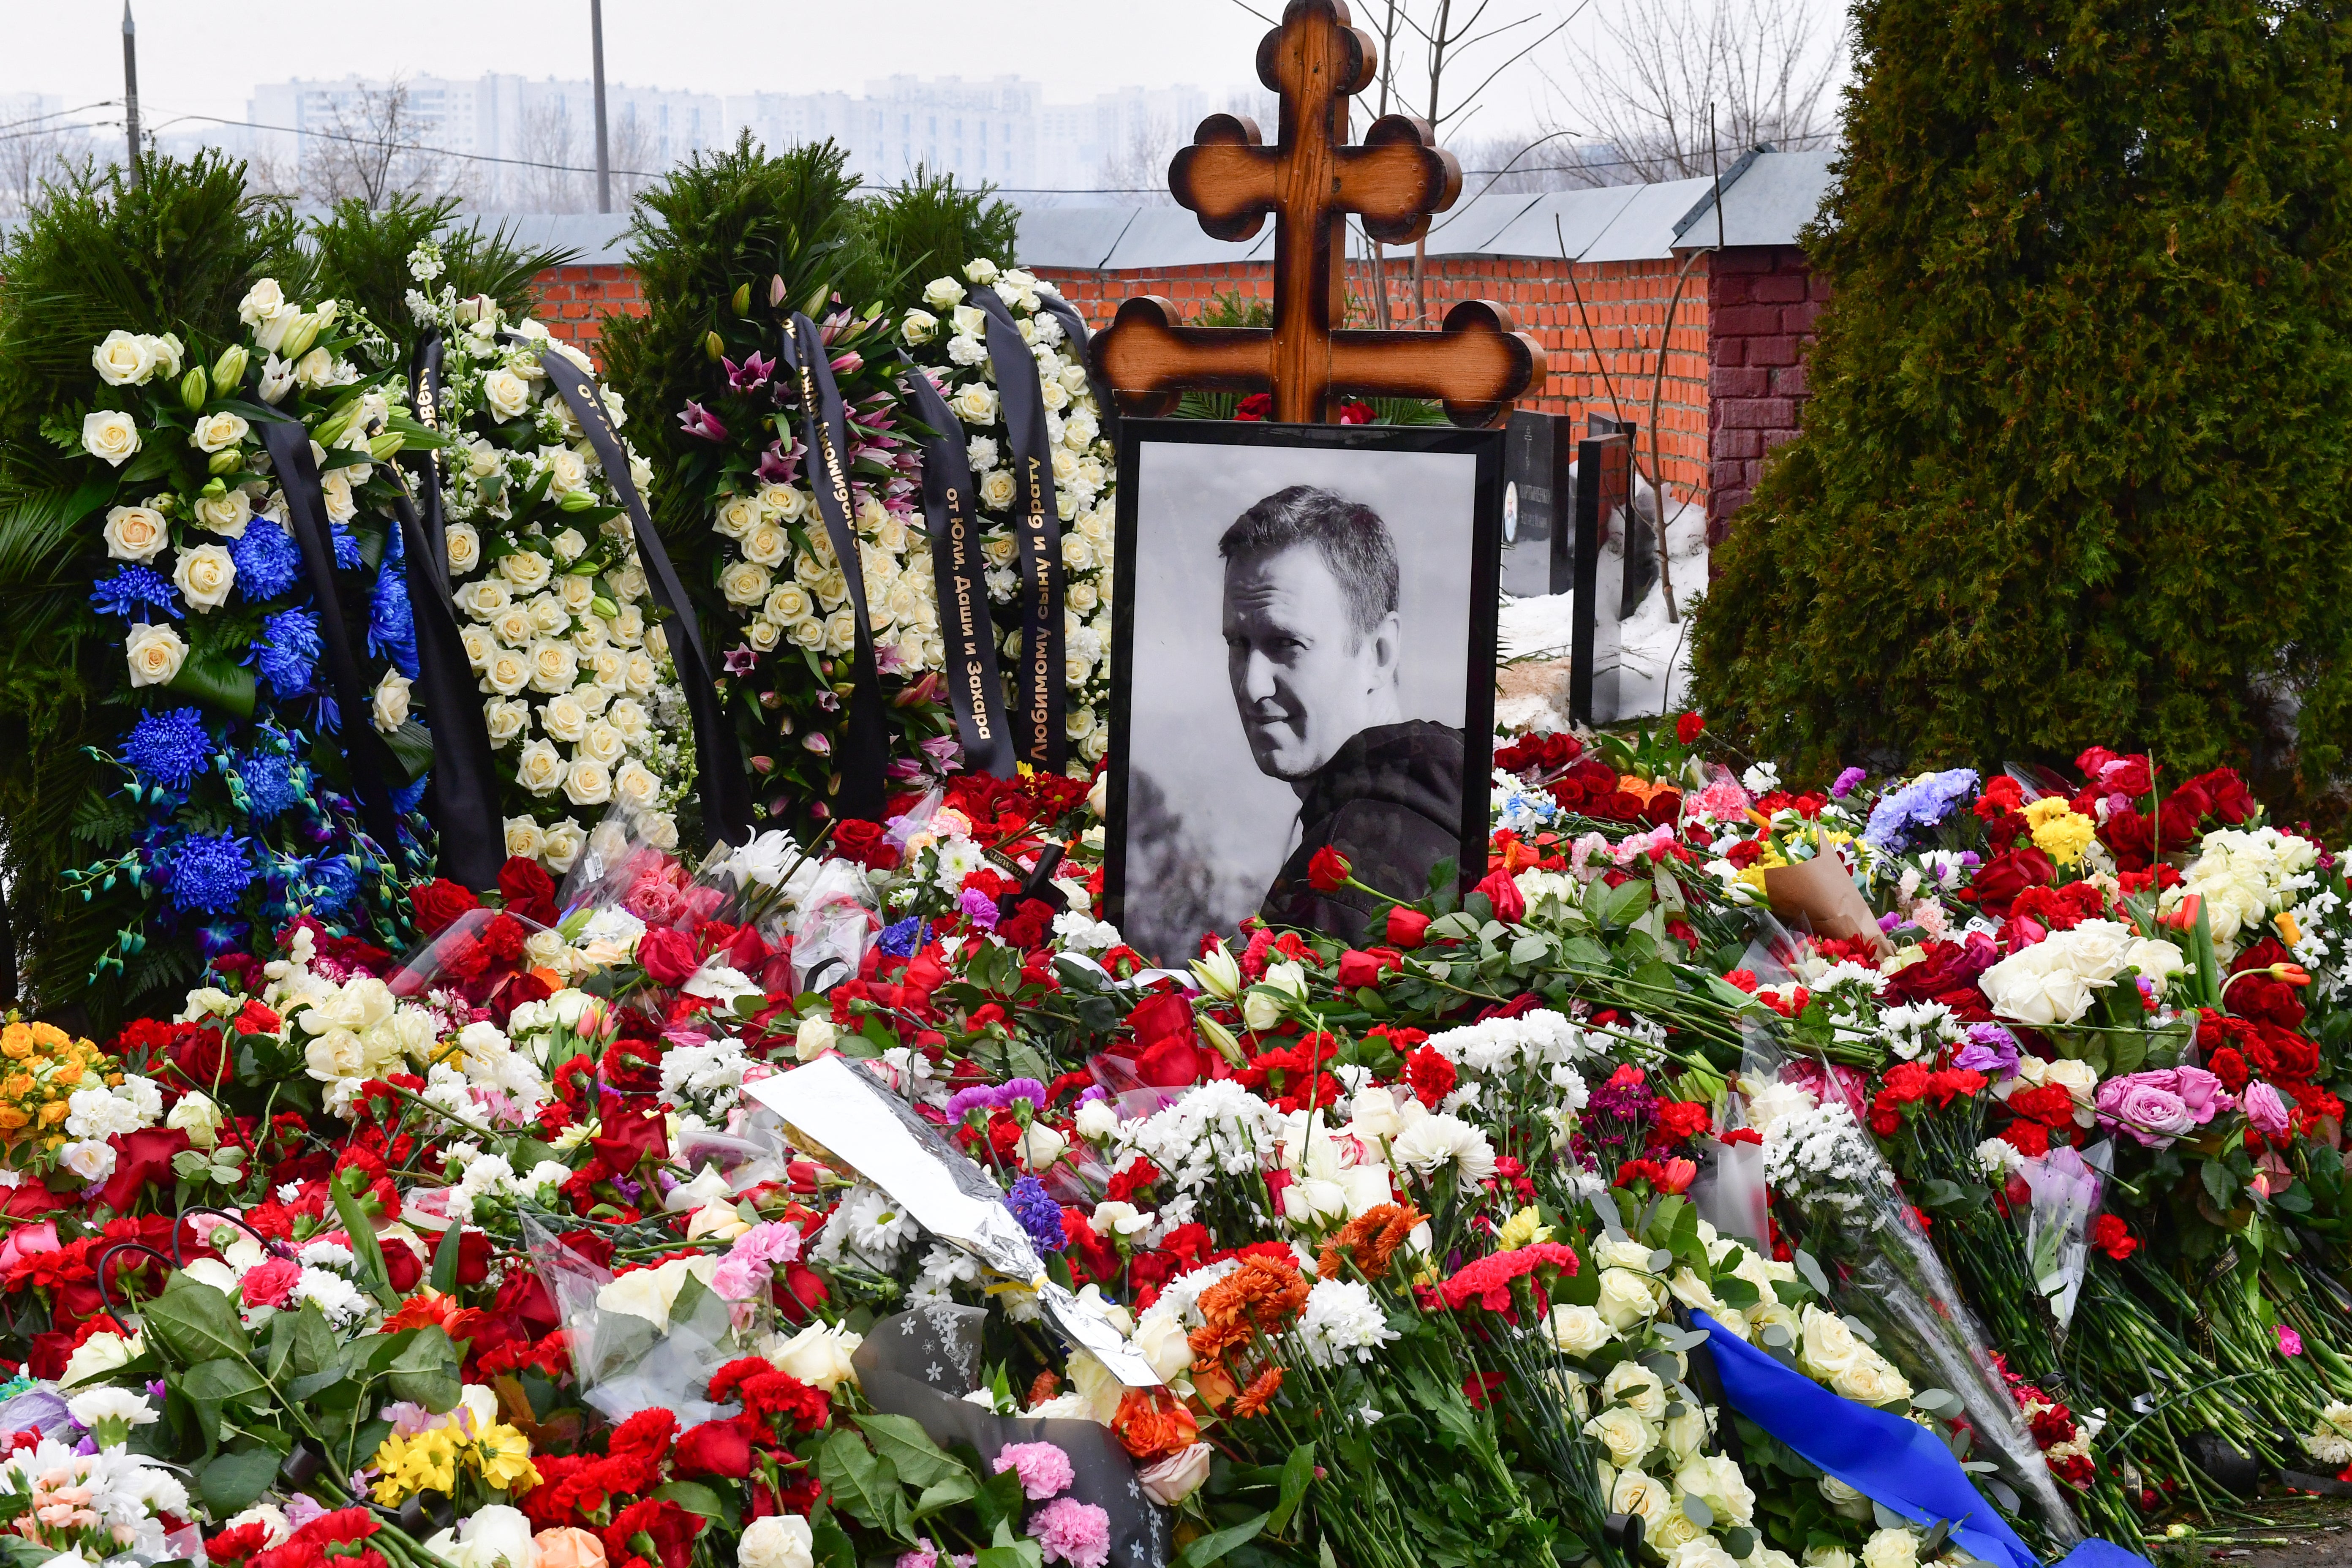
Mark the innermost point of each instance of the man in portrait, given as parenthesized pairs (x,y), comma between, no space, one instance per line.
(1313,647)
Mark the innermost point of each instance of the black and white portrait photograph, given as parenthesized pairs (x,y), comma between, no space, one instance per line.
(1306,626)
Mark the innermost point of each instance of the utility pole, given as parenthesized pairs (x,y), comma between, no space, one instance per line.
(603,153)
(131,86)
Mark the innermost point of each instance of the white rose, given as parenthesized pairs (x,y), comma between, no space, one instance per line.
(638,676)
(99,1355)
(336,1054)
(110,435)
(506,394)
(506,718)
(524,840)
(1826,1346)
(265,301)
(391,702)
(540,768)
(1891,1549)
(776,1540)
(1716,1481)
(1638,1387)
(974,403)
(604,743)
(1643,1496)
(1625,1434)
(462,547)
(225,514)
(198,1117)
(205,576)
(135,533)
(567,471)
(564,842)
(819,1356)
(766,546)
(1870,1379)
(997,489)
(634,785)
(1579,1331)
(508,672)
(554,666)
(528,570)
(484,599)
(745,582)
(589,783)
(812,1039)
(1170,1480)
(1160,1339)
(1627,1298)
(217,432)
(155,654)
(941,293)
(335,488)
(564,716)
(1827,1557)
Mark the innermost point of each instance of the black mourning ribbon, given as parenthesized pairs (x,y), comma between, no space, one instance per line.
(921,1364)
(725,789)
(366,758)
(864,756)
(960,573)
(1074,327)
(1044,699)
(463,788)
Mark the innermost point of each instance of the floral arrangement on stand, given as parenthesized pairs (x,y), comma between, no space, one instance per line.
(582,704)
(946,329)
(237,810)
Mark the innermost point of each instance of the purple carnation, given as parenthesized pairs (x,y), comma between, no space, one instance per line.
(1990,1050)
(1847,781)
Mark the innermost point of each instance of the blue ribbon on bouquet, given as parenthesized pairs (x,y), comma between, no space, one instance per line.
(1895,1463)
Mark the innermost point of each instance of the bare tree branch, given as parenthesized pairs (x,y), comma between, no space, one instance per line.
(374,149)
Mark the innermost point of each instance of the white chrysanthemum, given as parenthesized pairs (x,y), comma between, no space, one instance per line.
(1434,1142)
(1342,1322)
(337,1297)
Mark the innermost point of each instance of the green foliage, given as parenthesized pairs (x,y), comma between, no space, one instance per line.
(364,258)
(719,221)
(2075,467)
(173,253)
(926,228)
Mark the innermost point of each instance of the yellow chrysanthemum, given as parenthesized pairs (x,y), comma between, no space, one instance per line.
(1522,1229)
(2059,830)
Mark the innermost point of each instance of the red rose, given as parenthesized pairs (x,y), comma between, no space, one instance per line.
(667,956)
(529,892)
(1169,1063)
(1328,870)
(1257,406)
(438,903)
(856,839)
(1161,1015)
(715,1448)
(269,1282)
(1407,928)
(140,1158)
(2007,875)
(1358,970)
(1510,904)
(1689,727)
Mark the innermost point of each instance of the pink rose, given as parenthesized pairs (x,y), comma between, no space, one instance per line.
(269,1283)
(2266,1109)
(2202,1092)
(2146,1105)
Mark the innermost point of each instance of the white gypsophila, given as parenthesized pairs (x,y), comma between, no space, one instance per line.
(1216,1129)
(1822,1155)
(1917,1032)
(1085,473)
(556,616)
(1342,1322)
(2245,876)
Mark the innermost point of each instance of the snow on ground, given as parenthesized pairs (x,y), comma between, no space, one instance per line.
(1649,670)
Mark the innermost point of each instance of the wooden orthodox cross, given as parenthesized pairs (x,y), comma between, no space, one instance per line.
(1310,180)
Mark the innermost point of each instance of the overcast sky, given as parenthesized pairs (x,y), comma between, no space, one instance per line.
(204,58)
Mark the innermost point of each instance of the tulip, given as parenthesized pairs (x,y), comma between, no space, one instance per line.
(2184,914)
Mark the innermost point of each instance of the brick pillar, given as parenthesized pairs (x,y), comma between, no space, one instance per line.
(1762,305)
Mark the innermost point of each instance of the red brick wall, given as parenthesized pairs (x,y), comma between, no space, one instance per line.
(1762,302)
(574,300)
(1624,306)
(1734,381)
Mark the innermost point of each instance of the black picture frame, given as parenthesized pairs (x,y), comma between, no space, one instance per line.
(1487,445)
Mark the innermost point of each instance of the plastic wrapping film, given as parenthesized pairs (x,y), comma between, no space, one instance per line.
(834,1112)
(1888,1276)
(2066,1188)
(654,1344)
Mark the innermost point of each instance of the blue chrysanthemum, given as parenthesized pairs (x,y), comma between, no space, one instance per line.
(405,798)
(170,747)
(901,939)
(1919,804)
(270,784)
(132,592)
(392,626)
(268,560)
(287,651)
(1039,1214)
(209,873)
(347,549)
(329,886)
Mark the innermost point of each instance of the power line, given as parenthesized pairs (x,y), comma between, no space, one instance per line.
(406,146)
(59,114)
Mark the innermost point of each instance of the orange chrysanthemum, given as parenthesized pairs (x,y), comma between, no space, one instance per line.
(1370,1240)
(1258,1395)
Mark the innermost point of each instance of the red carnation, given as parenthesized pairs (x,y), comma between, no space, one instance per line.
(2114,1238)
(1689,727)
(1430,1076)
(716,1449)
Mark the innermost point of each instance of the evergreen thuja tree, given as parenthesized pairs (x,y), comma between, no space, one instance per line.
(2075,468)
